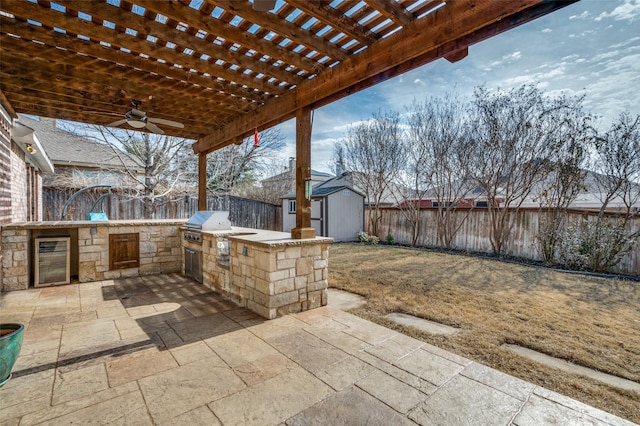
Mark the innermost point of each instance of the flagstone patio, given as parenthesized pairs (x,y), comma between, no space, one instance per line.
(165,350)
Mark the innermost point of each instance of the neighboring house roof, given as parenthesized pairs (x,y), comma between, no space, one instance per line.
(67,149)
(315,175)
(590,197)
(290,173)
(328,187)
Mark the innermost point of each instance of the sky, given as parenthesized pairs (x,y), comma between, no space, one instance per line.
(589,48)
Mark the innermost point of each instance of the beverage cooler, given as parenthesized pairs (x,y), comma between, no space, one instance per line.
(52,257)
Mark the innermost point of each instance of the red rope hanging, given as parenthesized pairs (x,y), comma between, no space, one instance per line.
(256,144)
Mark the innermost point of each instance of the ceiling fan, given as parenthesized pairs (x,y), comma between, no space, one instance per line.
(138,119)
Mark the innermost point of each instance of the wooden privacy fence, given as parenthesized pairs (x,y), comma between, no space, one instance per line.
(119,205)
(474,234)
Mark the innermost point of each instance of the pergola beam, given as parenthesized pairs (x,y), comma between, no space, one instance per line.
(448,29)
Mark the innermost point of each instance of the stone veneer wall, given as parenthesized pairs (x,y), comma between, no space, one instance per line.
(160,252)
(269,279)
(15,259)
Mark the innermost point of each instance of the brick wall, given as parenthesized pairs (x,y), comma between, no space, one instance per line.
(5,170)
(19,186)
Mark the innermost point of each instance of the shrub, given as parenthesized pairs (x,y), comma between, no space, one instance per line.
(363,237)
(389,240)
(594,245)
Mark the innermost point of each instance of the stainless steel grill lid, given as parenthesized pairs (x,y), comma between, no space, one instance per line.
(210,221)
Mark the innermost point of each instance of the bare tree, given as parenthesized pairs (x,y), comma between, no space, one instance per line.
(515,134)
(236,169)
(617,160)
(438,153)
(281,181)
(162,160)
(564,182)
(373,152)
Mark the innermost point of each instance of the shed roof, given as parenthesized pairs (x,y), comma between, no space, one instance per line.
(330,186)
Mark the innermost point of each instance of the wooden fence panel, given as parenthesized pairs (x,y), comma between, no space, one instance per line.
(122,206)
(474,234)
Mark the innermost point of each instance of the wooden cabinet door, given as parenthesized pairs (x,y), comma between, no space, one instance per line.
(124,251)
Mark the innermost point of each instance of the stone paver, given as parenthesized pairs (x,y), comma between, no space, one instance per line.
(396,394)
(561,364)
(137,365)
(429,367)
(166,350)
(540,411)
(344,300)
(272,401)
(176,391)
(350,406)
(75,384)
(422,324)
(463,401)
(345,372)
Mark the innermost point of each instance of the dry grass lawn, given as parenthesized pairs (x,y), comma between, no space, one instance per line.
(591,321)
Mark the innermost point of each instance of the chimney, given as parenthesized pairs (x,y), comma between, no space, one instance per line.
(292,165)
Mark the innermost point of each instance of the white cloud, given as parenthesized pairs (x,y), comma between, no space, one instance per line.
(583,15)
(547,30)
(419,82)
(606,55)
(570,57)
(632,40)
(541,78)
(627,11)
(506,59)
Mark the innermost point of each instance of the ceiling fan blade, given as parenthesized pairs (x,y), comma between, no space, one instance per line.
(154,128)
(116,123)
(264,5)
(165,122)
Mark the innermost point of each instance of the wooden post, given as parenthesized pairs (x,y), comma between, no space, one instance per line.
(303,227)
(202,181)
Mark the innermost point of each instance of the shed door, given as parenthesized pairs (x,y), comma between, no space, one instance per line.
(317,217)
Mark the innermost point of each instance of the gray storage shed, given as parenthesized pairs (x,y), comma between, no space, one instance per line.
(337,210)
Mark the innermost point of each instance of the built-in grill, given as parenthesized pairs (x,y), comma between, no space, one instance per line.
(205,221)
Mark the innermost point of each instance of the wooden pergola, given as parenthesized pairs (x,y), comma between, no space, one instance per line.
(225,68)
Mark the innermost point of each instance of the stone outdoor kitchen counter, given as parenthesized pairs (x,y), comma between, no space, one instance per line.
(266,271)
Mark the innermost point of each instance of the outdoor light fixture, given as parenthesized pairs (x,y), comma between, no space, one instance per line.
(308,188)
(31,149)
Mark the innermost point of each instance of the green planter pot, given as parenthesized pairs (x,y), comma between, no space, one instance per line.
(10,344)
